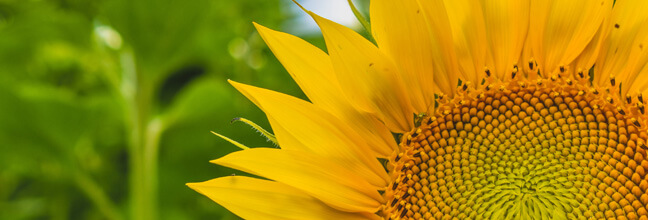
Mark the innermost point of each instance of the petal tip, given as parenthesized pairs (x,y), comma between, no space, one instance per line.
(194,186)
(259,27)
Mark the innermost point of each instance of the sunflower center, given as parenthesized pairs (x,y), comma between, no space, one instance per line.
(524,152)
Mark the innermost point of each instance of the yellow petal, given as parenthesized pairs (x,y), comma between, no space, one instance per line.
(507,22)
(375,133)
(368,126)
(401,32)
(527,62)
(252,198)
(311,68)
(299,125)
(469,37)
(367,77)
(624,45)
(562,29)
(588,57)
(321,178)
(636,68)
(640,84)
(636,72)
(446,71)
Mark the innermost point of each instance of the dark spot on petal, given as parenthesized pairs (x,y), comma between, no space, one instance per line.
(616,26)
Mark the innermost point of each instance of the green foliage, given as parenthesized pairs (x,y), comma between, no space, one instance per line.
(106,106)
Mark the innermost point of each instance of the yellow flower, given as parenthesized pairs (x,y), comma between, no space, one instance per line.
(502,109)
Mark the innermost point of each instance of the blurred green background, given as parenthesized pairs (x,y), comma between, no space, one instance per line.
(106,105)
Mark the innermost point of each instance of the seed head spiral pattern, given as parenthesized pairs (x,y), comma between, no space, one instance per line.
(524,152)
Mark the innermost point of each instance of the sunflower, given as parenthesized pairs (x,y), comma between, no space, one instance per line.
(500,109)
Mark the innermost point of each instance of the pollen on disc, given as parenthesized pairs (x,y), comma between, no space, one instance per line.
(523,152)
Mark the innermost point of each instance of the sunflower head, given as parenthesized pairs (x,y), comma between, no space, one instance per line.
(530,151)
(456,109)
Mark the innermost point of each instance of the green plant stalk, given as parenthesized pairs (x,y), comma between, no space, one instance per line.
(143,141)
(151,153)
